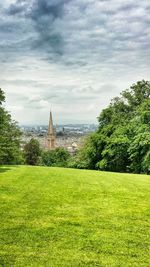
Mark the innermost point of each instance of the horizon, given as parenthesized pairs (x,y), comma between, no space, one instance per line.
(71,56)
(58,125)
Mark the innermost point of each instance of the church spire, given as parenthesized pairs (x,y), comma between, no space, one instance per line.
(50,127)
(51,139)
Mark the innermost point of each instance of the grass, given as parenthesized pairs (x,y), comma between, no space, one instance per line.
(64,217)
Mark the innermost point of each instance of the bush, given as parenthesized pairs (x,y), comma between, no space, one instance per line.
(58,157)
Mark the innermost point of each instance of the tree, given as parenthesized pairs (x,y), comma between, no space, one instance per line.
(10,134)
(115,155)
(122,141)
(58,157)
(89,153)
(137,94)
(139,150)
(32,152)
(2,96)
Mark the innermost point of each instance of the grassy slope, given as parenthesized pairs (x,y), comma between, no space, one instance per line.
(65,217)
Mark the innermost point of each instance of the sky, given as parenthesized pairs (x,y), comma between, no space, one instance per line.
(70,56)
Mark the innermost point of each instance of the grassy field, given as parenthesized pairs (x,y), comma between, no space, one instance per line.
(64,217)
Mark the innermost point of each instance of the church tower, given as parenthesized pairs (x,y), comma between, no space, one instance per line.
(51,139)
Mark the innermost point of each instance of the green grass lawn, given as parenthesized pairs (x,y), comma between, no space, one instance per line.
(65,217)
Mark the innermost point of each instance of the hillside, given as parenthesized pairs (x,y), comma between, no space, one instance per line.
(66,217)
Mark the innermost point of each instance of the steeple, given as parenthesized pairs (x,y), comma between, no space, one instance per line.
(51,127)
(51,139)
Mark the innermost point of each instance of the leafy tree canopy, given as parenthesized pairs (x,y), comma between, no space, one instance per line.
(9,136)
(58,157)
(32,152)
(122,142)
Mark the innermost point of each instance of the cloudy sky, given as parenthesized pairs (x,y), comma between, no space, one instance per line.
(72,56)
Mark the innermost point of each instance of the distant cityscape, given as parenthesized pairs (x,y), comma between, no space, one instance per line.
(69,136)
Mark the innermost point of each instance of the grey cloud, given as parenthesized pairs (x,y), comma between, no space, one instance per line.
(17,8)
(45,15)
(42,15)
(53,8)
(66,30)
(90,46)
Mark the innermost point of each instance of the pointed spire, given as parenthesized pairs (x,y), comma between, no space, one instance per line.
(51,127)
(51,140)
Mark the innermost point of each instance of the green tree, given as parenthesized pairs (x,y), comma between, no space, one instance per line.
(137,94)
(139,150)
(58,157)
(115,155)
(89,153)
(122,142)
(32,152)
(10,135)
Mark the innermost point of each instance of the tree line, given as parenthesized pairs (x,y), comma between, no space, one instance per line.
(121,143)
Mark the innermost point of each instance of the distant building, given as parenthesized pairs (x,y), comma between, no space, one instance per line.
(51,138)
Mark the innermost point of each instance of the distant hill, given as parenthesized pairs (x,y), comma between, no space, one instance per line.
(66,217)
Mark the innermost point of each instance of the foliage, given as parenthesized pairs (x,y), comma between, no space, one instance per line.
(57,157)
(70,218)
(122,142)
(89,152)
(10,134)
(32,152)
